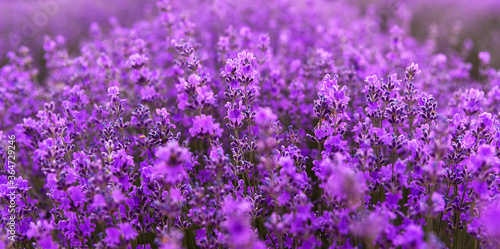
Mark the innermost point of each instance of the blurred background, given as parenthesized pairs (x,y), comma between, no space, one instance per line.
(25,22)
(452,24)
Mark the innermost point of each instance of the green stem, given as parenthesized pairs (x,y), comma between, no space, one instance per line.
(455,236)
(447,194)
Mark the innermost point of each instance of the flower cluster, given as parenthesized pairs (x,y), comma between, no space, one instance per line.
(266,124)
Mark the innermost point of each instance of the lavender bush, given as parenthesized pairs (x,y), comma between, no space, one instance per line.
(256,124)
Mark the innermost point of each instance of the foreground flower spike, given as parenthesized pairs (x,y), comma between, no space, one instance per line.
(213,125)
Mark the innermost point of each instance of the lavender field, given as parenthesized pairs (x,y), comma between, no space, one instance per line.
(250,124)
